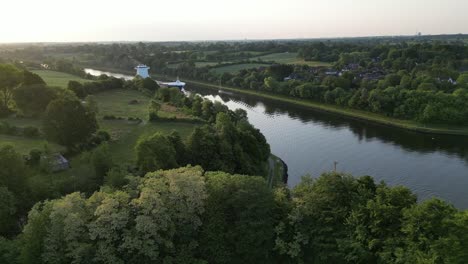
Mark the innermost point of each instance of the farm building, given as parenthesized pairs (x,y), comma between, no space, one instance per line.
(57,162)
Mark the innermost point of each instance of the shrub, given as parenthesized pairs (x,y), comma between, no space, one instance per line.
(34,157)
(31,132)
(103,135)
(109,117)
(6,128)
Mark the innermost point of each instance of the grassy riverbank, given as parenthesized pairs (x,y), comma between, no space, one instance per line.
(352,113)
(59,79)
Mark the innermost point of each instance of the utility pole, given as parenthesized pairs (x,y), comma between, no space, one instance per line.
(334,165)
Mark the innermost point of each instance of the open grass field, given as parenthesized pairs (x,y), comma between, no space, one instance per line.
(128,134)
(22,122)
(118,103)
(23,145)
(173,65)
(198,64)
(205,63)
(59,79)
(237,67)
(123,132)
(290,58)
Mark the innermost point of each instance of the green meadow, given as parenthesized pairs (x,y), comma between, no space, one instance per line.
(59,79)
(24,145)
(289,58)
(237,67)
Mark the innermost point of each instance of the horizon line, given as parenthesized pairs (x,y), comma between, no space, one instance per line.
(235,40)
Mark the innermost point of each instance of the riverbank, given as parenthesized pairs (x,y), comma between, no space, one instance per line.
(351,113)
(277,171)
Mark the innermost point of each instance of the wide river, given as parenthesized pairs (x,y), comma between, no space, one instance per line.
(310,141)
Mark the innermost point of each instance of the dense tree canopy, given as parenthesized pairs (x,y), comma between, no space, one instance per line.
(68,122)
(10,78)
(33,99)
(155,220)
(155,153)
(188,216)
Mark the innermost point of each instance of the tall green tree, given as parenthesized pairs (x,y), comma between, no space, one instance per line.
(238,224)
(155,153)
(433,234)
(7,212)
(30,78)
(77,88)
(10,78)
(13,172)
(33,99)
(68,122)
(156,219)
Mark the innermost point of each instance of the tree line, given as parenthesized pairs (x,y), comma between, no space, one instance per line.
(187,215)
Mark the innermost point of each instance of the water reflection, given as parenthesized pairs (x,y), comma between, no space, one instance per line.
(409,140)
(310,141)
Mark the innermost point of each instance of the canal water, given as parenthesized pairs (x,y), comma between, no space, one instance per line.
(310,142)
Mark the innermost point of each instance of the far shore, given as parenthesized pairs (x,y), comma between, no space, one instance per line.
(351,113)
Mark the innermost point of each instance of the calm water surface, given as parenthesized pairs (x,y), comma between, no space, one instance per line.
(310,141)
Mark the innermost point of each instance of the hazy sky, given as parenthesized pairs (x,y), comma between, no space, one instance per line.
(155,20)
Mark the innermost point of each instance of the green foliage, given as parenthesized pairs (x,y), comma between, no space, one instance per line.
(186,216)
(433,234)
(463,80)
(92,104)
(30,78)
(68,122)
(33,99)
(10,77)
(7,211)
(153,109)
(377,227)
(170,95)
(155,220)
(149,84)
(279,71)
(340,219)
(13,172)
(228,146)
(155,153)
(9,251)
(101,160)
(77,88)
(197,106)
(116,177)
(57,79)
(238,225)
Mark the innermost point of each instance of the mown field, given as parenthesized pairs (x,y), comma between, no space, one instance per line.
(119,103)
(289,58)
(60,79)
(24,145)
(205,63)
(122,103)
(198,64)
(237,67)
(131,103)
(123,148)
